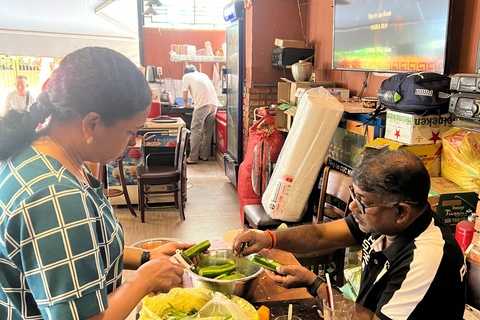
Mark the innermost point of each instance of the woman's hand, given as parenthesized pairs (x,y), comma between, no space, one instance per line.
(161,274)
(292,276)
(249,241)
(170,249)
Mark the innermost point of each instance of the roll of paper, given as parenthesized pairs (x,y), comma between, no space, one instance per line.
(302,155)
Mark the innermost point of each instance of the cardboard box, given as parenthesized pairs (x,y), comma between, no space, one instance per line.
(412,129)
(430,154)
(287,89)
(290,43)
(451,202)
(344,93)
(357,127)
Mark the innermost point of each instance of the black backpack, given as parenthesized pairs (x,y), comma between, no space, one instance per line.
(421,93)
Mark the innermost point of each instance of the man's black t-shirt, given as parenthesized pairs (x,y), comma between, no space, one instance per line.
(419,276)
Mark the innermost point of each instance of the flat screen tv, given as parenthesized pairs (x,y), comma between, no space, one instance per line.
(391,35)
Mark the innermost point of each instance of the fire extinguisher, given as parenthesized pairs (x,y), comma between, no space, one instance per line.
(464,231)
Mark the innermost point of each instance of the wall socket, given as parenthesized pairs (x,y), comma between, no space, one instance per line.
(312,78)
(159,71)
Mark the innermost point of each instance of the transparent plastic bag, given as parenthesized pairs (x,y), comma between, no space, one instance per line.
(220,308)
(176,300)
(461,158)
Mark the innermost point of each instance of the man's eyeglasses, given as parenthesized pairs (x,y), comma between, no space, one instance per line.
(362,207)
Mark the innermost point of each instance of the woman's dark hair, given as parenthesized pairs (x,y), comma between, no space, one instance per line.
(395,175)
(91,79)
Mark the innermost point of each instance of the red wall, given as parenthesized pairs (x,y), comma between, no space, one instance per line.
(157,44)
(265,21)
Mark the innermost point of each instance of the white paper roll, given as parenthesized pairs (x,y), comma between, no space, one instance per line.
(302,155)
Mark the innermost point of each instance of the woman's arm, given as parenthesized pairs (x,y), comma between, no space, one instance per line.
(158,275)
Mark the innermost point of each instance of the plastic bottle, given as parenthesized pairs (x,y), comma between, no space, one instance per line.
(464,232)
(388,96)
(208,48)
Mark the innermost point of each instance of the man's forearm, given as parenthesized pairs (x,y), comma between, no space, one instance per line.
(320,239)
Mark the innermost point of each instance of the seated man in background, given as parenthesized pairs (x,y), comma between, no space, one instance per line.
(203,120)
(20,99)
(412,266)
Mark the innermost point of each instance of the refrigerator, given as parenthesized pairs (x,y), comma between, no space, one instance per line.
(233,76)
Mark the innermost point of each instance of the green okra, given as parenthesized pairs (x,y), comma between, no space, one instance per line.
(197,249)
(265,263)
(214,271)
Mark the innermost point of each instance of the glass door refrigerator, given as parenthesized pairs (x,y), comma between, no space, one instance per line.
(232,86)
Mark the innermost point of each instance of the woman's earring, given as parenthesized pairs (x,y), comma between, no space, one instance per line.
(89,140)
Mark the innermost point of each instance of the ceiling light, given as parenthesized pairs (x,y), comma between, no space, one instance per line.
(154,3)
(150,11)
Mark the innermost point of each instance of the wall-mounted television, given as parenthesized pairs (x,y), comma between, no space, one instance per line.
(391,35)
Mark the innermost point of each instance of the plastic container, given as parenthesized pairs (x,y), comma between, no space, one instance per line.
(389,96)
(464,232)
(208,48)
(191,50)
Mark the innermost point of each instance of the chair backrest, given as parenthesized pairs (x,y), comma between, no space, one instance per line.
(334,195)
(162,156)
(181,152)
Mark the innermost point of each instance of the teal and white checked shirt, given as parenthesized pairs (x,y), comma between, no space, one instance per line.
(61,244)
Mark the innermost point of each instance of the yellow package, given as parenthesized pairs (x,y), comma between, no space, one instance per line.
(461,158)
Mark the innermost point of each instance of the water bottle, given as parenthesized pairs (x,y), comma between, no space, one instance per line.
(464,232)
(388,96)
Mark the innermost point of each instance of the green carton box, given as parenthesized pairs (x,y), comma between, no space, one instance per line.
(451,202)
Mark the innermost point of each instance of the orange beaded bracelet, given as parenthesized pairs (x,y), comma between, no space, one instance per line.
(273,239)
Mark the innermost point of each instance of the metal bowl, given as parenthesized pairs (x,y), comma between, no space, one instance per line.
(243,287)
(152,243)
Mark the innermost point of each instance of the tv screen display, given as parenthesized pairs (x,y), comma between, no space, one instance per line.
(391,35)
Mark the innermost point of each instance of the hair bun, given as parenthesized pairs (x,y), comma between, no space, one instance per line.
(39,112)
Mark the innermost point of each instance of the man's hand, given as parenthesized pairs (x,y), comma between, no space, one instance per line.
(292,276)
(249,241)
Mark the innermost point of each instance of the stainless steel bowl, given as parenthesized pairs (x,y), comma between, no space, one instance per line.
(148,244)
(243,287)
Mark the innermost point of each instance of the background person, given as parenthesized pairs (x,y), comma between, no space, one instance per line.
(62,247)
(205,102)
(20,99)
(412,266)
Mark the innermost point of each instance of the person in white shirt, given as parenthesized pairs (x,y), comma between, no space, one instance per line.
(20,99)
(205,103)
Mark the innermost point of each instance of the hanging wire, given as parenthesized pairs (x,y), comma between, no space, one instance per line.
(301,21)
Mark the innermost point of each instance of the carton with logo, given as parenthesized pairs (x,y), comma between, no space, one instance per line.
(412,129)
(451,202)
(430,154)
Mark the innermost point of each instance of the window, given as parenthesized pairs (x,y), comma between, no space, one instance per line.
(191,14)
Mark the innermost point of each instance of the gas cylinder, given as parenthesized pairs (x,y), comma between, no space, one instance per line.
(464,231)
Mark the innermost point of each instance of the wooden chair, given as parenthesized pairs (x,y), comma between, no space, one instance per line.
(333,204)
(174,175)
(98,170)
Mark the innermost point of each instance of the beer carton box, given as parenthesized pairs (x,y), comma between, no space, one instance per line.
(412,129)
(451,202)
(430,154)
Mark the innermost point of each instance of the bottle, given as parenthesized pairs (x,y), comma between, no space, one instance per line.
(388,96)
(464,231)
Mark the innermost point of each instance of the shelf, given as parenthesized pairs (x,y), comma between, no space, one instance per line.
(185,58)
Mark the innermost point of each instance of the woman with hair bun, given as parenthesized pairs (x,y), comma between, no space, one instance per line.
(61,245)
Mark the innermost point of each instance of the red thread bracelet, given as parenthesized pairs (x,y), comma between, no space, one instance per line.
(273,239)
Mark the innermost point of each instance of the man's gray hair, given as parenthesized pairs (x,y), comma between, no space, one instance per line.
(22,77)
(189,68)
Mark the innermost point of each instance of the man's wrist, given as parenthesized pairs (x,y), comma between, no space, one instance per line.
(312,289)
